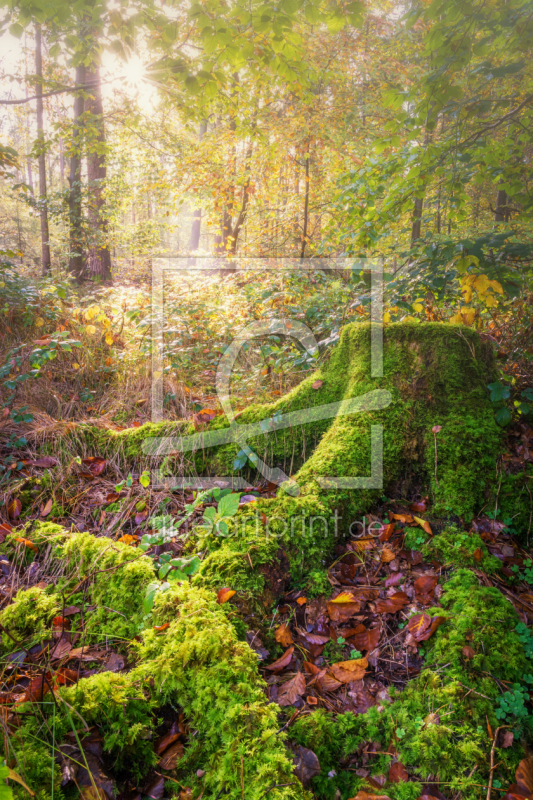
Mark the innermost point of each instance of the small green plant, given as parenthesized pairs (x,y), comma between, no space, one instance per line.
(513,704)
(355,654)
(334,651)
(526,638)
(215,522)
(527,575)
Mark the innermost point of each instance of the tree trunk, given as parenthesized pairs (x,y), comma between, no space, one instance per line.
(500,213)
(46,262)
(196,226)
(98,265)
(306,206)
(417,219)
(28,159)
(76,265)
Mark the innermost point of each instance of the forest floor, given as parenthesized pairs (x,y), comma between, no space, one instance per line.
(342,644)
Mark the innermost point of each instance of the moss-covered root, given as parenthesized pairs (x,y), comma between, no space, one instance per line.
(196,663)
(438,724)
(435,375)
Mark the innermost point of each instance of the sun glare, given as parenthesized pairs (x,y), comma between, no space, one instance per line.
(134,70)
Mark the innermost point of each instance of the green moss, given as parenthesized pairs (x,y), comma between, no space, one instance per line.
(197,664)
(28,616)
(514,495)
(433,379)
(483,618)
(453,547)
(438,723)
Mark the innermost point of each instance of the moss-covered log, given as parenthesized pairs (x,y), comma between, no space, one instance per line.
(433,375)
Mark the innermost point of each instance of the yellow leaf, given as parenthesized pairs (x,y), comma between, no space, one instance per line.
(490,301)
(75,366)
(386,317)
(14,776)
(468,315)
(90,329)
(39,322)
(481,284)
(496,286)
(109,338)
(467,294)
(418,306)
(457,319)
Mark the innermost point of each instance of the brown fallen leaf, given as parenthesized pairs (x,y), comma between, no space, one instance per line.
(315,638)
(362,795)
(507,739)
(418,624)
(347,671)
(66,677)
(301,601)
(327,682)
(342,612)
(365,639)
(283,661)
(291,690)
(398,773)
(478,554)
(392,604)
(424,587)
(419,508)
(140,516)
(45,461)
(385,532)
(171,756)
(223,595)
(406,518)
(27,543)
(424,524)
(14,509)
(61,649)
(94,466)
(168,738)
(387,555)
(46,508)
(317,384)
(436,622)
(468,652)
(306,764)
(524,775)
(83,654)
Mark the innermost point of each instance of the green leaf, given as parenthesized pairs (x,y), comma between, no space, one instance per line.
(240,460)
(228,505)
(498,392)
(149,597)
(16,30)
(502,416)
(144,480)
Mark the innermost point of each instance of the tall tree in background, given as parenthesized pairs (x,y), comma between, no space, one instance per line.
(98,264)
(76,262)
(46,262)
(194,241)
